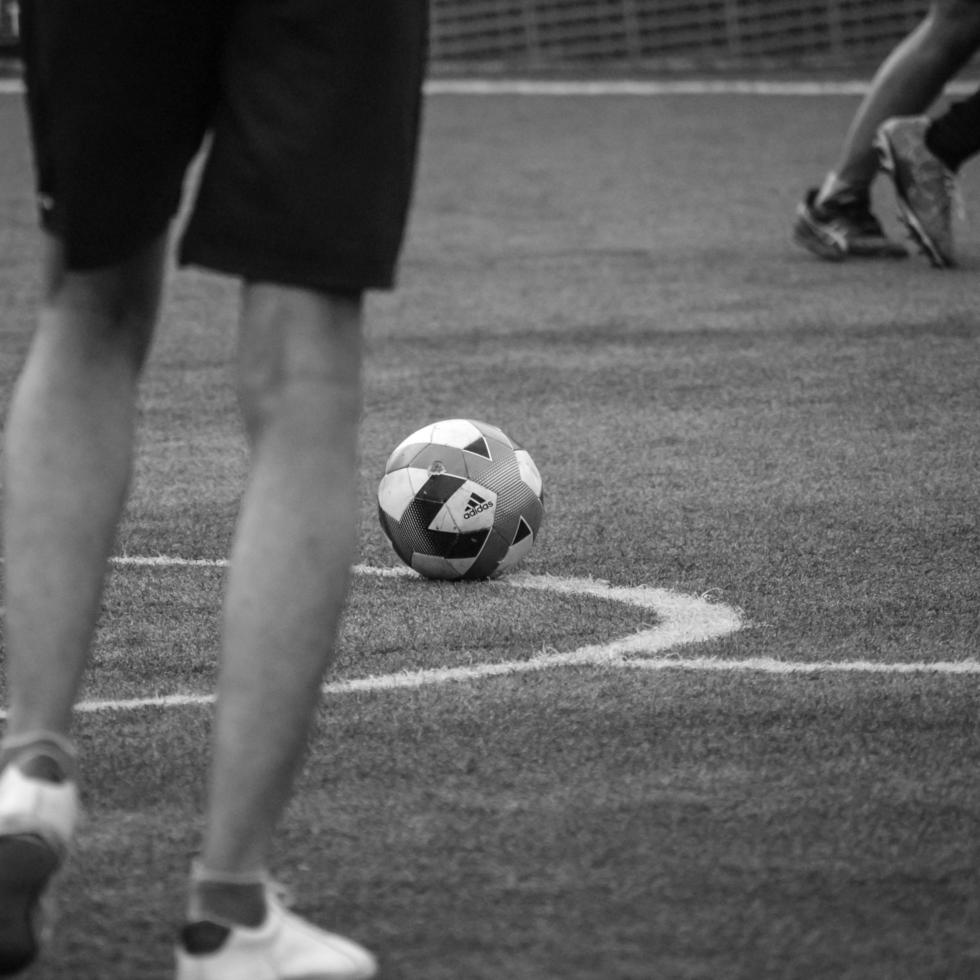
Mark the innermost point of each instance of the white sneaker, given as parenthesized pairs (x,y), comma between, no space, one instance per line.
(284,947)
(37,821)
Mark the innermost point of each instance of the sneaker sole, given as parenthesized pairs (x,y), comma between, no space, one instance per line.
(815,241)
(910,219)
(27,864)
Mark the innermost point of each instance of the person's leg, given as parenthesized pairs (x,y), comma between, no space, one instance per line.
(67,454)
(117,99)
(835,221)
(68,446)
(325,225)
(300,390)
(922,158)
(907,83)
(305,197)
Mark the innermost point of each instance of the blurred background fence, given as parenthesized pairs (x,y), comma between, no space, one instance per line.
(670,34)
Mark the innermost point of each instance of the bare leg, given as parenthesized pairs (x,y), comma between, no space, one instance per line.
(301,394)
(907,83)
(67,458)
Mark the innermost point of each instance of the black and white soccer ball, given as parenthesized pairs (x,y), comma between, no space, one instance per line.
(460,500)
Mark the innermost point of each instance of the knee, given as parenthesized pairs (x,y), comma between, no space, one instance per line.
(112,312)
(300,410)
(299,364)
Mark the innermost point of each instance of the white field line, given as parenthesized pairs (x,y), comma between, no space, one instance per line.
(630,87)
(681,620)
(577,88)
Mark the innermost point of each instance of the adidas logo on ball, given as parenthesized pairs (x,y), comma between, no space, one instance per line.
(476,505)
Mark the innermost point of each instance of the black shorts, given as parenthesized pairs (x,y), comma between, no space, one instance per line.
(309,108)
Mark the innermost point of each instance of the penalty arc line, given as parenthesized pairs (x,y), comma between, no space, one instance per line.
(682,620)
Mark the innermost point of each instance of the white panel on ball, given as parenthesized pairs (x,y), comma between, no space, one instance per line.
(529,472)
(395,492)
(455,432)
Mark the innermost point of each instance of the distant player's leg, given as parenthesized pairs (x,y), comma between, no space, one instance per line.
(835,221)
(907,83)
(67,454)
(922,158)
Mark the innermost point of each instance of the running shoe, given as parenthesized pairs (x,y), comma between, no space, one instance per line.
(284,947)
(843,227)
(38,814)
(924,188)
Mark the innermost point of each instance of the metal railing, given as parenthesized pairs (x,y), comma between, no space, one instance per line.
(554,33)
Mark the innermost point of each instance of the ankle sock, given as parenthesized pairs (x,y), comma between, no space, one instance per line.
(45,755)
(227,898)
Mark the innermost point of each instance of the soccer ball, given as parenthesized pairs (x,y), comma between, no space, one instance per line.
(460,500)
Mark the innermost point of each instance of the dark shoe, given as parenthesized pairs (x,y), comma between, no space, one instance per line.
(924,188)
(842,228)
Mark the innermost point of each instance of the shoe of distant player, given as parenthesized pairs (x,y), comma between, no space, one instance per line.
(37,821)
(284,947)
(924,187)
(843,227)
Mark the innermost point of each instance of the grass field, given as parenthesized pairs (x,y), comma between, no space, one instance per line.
(714,412)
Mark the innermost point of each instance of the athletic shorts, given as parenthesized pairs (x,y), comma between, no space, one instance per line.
(308,110)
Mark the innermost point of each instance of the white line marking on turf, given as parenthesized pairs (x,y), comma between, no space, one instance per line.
(629,87)
(683,619)
(644,87)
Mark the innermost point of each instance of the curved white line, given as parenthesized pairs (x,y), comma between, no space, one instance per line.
(681,619)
